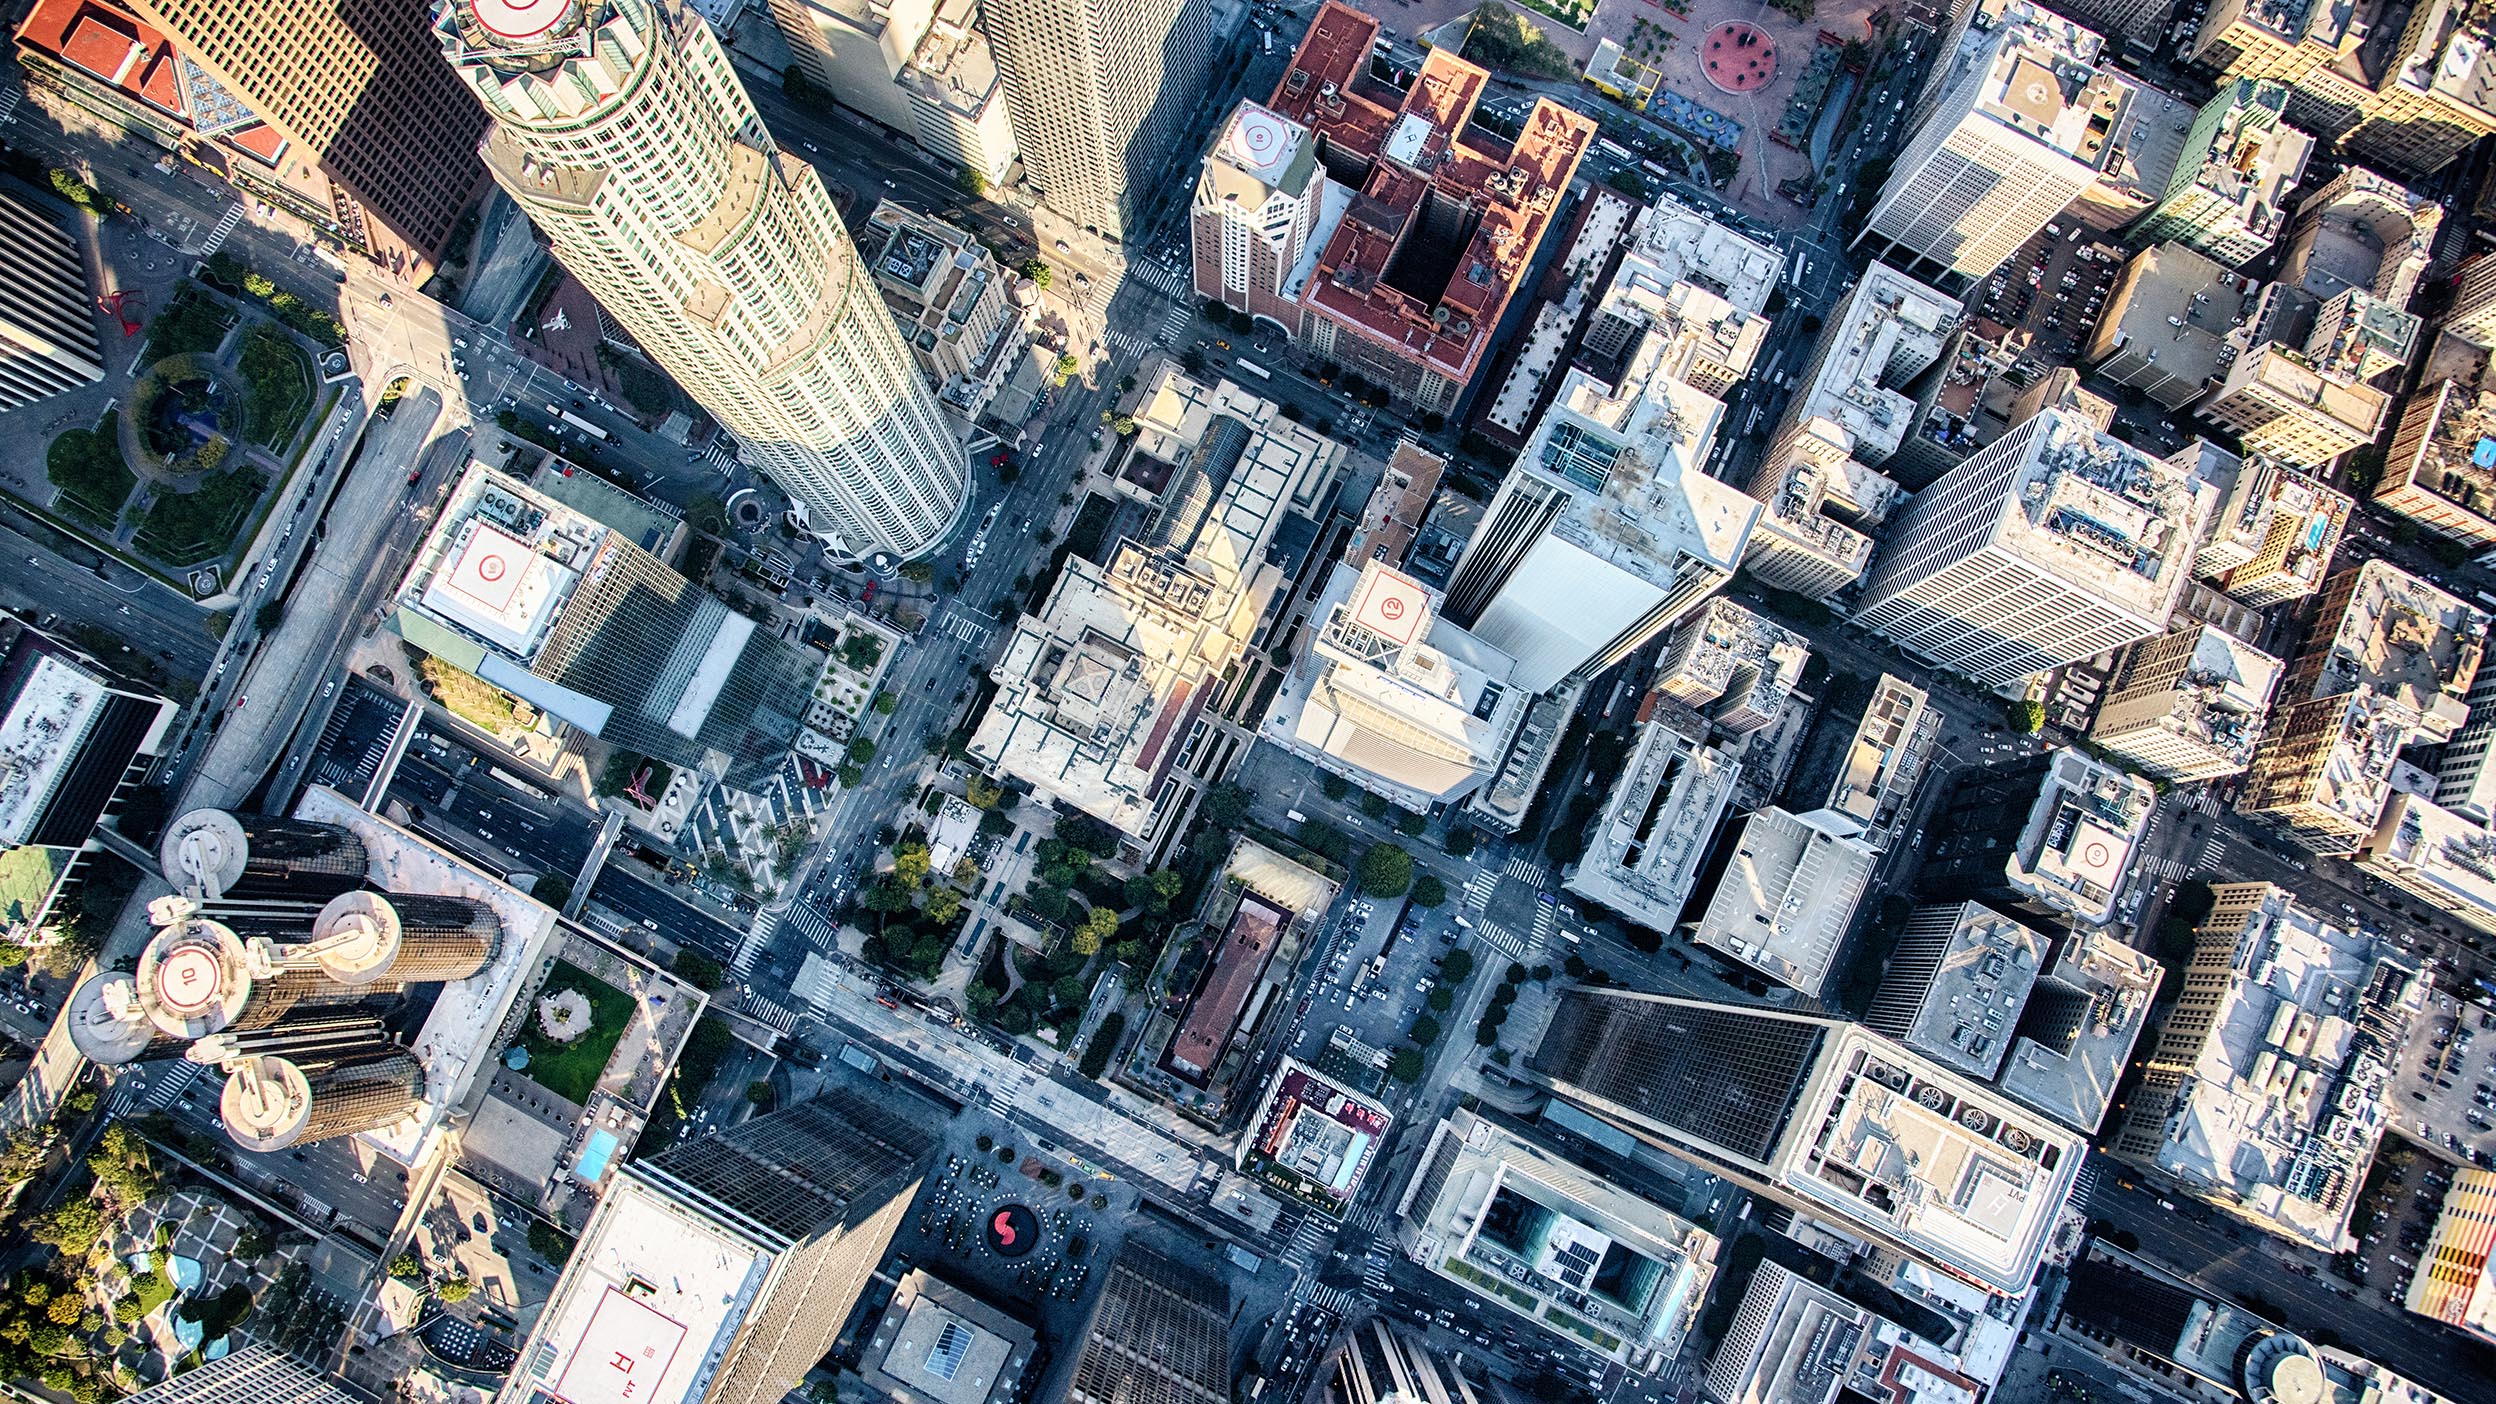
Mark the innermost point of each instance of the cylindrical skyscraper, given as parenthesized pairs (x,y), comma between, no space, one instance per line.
(212,855)
(623,132)
(195,979)
(271,1103)
(362,937)
(108,1026)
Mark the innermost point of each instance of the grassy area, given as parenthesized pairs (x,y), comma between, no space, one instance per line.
(1503,39)
(570,1070)
(27,875)
(186,528)
(280,385)
(191,323)
(86,465)
(467,695)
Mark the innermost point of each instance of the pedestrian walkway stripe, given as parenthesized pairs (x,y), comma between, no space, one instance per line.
(225,226)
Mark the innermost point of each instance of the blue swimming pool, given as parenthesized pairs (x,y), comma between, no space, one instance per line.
(594,1156)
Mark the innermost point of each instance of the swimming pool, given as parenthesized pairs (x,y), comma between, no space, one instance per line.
(592,1166)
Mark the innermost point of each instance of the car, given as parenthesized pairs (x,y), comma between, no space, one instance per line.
(647,922)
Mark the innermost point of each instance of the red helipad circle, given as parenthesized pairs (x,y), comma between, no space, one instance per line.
(491,568)
(2096,854)
(187,979)
(1392,609)
(1738,57)
(518,19)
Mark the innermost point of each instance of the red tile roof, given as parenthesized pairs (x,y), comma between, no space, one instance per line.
(163,83)
(108,42)
(1442,230)
(1213,1016)
(261,140)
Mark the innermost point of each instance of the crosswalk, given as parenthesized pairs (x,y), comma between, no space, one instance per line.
(811,923)
(1526,870)
(1309,1242)
(720,454)
(2213,853)
(217,236)
(1162,276)
(963,630)
(169,1088)
(1478,888)
(1546,921)
(10,97)
(1174,324)
(1492,935)
(1337,1300)
(767,1011)
(1374,1277)
(1126,344)
(757,940)
(1367,1220)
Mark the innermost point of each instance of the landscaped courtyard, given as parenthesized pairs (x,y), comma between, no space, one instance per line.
(573,1024)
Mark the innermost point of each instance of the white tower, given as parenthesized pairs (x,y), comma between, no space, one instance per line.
(620,128)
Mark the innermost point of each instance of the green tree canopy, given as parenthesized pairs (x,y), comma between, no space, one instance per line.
(1386,871)
(1428,890)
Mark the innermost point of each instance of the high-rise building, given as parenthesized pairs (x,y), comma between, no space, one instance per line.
(357,90)
(2323,771)
(2172,325)
(2051,834)
(2274,530)
(2403,88)
(1102,94)
(2281,404)
(2265,1092)
(2432,474)
(1819,1114)
(271,1103)
(1732,665)
(1377,225)
(1160,1331)
(75,740)
(1888,331)
(1382,1363)
(2228,198)
(1523,1228)
(2444,859)
(918,68)
(1606,533)
(252,1374)
(631,144)
(2018,123)
(2456,1278)
(2378,628)
(2472,315)
(2187,705)
(2073,1041)
(570,615)
(720,1271)
(1788,894)
(2053,544)
(937,1344)
(1790,1342)
(1813,539)
(2465,770)
(1955,984)
(1643,849)
(1395,698)
(213,856)
(47,327)
(953,301)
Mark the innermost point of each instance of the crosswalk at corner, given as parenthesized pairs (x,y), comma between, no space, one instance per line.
(1169,280)
(1333,1299)
(1126,344)
(1174,324)
(217,236)
(1545,922)
(1478,889)
(765,1011)
(1498,938)
(963,630)
(10,97)
(1526,870)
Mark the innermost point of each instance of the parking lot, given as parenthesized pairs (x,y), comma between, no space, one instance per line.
(2444,1097)
(2392,1221)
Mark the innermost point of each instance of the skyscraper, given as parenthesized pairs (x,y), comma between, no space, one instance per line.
(631,144)
(254,1374)
(47,330)
(356,88)
(1101,93)
(2228,198)
(2052,544)
(1160,1332)
(1826,1117)
(720,1272)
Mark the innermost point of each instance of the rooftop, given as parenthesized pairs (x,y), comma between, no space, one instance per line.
(2275,529)
(1788,896)
(2088,508)
(1669,242)
(2397,635)
(1260,152)
(2171,309)
(2359,336)
(52,705)
(1396,506)
(937,1344)
(1643,854)
(1821,500)
(2445,453)
(2360,230)
(1312,1139)
(2075,1038)
(1444,219)
(1889,329)
(2349,779)
(2352,408)
(1876,775)
(2038,74)
(1504,1215)
(2436,853)
(2080,834)
(2253,158)
(2220,697)
(501,562)
(2282,1101)
(1969,1002)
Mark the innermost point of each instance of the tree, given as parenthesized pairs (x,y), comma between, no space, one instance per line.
(1386,871)
(1461,841)
(695,968)
(1425,1031)
(1440,999)
(885,704)
(268,616)
(861,750)
(887,897)
(1334,786)
(1154,892)
(1037,271)
(1457,966)
(549,1242)
(454,1289)
(1412,825)
(910,862)
(973,181)
(850,776)
(2026,717)
(1224,806)
(1216,310)
(1104,1044)
(760,1094)
(1067,991)
(73,1228)
(405,1267)
(1428,891)
(1405,1065)
(943,905)
(984,793)
(1096,929)
(553,889)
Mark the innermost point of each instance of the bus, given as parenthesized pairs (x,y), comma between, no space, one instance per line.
(1252,368)
(584,425)
(1616,151)
(515,782)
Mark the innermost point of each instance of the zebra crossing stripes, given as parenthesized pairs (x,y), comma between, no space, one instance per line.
(1368,1220)
(1126,343)
(764,1011)
(1374,1277)
(1331,1299)
(1174,324)
(177,1078)
(963,630)
(1545,921)
(757,938)
(9,99)
(217,236)
(2213,852)
(1500,939)
(1526,870)
(1478,889)
(1169,280)
(814,925)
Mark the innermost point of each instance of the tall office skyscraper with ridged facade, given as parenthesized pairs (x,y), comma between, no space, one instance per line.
(622,131)
(1100,92)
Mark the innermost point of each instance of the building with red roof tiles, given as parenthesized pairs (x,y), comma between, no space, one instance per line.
(1380,227)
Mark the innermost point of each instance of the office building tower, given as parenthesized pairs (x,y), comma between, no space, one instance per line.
(2282,404)
(720,1271)
(1375,224)
(1788,895)
(2173,325)
(250,1374)
(75,740)
(1888,331)
(1523,1228)
(2378,628)
(2274,530)
(1955,984)
(2052,835)
(2465,770)
(631,144)
(2053,544)
(938,1344)
(1393,697)
(2018,123)
(47,325)
(2073,1040)
(854,50)
(2405,89)
(1102,93)
(2228,198)
(214,855)
(1606,533)
(1814,539)
(2433,473)
(921,69)
(2264,1094)
(1877,774)
(1732,665)
(1382,1363)
(2454,1283)
(2323,771)
(2472,314)
(953,302)
(1819,1114)
(2440,857)
(1643,850)
(272,1103)
(2187,705)
(412,939)
(1160,1331)
(196,977)
(358,91)
(1790,1342)
(557,608)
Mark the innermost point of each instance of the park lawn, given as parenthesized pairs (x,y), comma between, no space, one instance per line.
(192,323)
(570,1070)
(279,383)
(467,695)
(186,528)
(86,465)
